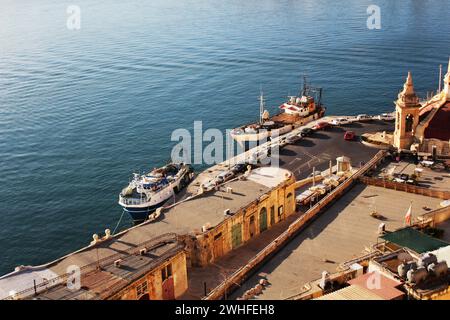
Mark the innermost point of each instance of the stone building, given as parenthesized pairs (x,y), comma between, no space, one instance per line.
(235,214)
(151,260)
(423,126)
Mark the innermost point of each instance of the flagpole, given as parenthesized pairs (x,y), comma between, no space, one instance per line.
(410,213)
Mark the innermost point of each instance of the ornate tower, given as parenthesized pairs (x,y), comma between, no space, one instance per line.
(406,115)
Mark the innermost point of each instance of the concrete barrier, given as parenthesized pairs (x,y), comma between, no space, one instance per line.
(441,194)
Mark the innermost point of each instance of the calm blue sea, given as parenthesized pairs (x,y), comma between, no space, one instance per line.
(80,110)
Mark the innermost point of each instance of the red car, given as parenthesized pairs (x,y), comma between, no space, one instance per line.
(321,125)
(349,135)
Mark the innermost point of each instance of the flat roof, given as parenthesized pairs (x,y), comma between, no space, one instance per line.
(342,232)
(351,293)
(100,279)
(379,284)
(414,240)
(443,254)
(185,217)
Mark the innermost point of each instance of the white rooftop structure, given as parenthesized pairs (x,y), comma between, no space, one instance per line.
(269,176)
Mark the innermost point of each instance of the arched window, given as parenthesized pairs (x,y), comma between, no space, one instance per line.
(289,202)
(409,123)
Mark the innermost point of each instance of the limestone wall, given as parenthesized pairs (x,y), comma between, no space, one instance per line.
(154,281)
(442,147)
(247,223)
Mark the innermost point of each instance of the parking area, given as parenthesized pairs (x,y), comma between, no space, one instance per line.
(438,179)
(324,145)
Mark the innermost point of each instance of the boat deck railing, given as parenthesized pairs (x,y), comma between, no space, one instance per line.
(132,201)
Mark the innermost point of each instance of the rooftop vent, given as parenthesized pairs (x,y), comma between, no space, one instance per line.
(325,280)
(206,227)
(117,263)
(143,251)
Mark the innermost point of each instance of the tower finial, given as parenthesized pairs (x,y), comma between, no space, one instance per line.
(409,78)
(408,87)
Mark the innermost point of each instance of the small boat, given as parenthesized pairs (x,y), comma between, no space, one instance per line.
(297,111)
(146,193)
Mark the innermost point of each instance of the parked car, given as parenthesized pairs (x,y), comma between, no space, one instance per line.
(363,117)
(225,176)
(386,117)
(404,177)
(349,135)
(281,141)
(209,185)
(321,125)
(340,121)
(239,167)
(259,156)
(293,138)
(306,132)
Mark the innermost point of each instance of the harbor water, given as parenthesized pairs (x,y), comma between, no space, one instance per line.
(80,110)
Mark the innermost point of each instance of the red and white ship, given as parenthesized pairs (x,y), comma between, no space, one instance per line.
(297,111)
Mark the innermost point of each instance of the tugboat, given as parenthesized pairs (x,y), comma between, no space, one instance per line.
(297,111)
(146,193)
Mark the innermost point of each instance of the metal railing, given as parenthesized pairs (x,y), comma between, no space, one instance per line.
(132,201)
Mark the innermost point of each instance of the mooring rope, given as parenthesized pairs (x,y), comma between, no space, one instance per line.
(118,223)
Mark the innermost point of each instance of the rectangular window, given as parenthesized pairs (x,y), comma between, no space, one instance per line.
(166,272)
(280,211)
(142,288)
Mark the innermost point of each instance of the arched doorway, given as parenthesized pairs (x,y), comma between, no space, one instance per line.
(263,219)
(290,204)
(144,297)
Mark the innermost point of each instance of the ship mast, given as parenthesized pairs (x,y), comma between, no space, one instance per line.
(261,107)
(303,93)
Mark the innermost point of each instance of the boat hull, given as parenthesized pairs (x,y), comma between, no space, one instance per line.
(141,214)
(254,137)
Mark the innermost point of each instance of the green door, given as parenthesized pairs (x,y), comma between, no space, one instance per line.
(263,220)
(272,215)
(236,235)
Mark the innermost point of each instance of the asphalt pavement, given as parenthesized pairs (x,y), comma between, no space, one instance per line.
(322,146)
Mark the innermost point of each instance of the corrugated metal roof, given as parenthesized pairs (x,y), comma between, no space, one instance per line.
(378,284)
(351,293)
(414,240)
